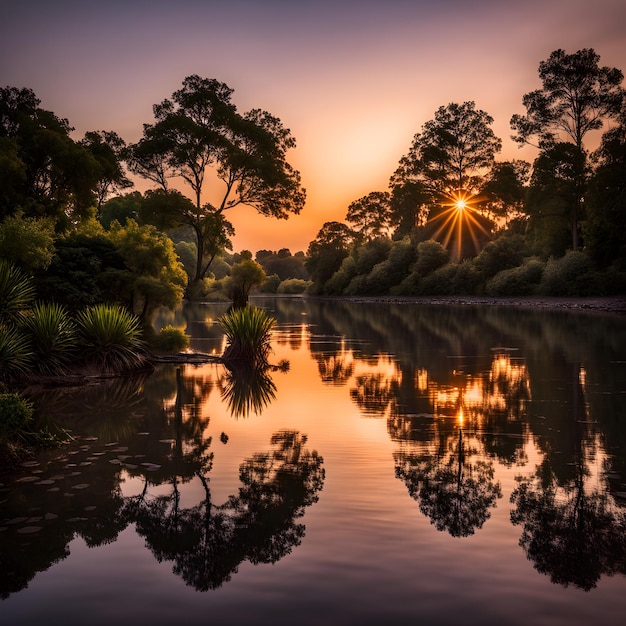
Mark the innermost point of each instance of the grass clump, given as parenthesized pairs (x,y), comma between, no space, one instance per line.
(248,331)
(111,338)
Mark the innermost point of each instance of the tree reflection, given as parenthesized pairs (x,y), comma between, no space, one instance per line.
(454,489)
(573,531)
(208,542)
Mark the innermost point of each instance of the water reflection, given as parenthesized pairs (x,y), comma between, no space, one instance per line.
(77,491)
(482,408)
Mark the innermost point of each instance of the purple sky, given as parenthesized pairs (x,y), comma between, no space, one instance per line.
(354,80)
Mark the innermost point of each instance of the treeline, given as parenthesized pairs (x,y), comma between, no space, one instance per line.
(456,221)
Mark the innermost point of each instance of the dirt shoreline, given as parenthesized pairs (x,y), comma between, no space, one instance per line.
(609,304)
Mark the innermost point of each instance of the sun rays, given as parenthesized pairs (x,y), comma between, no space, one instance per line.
(458,222)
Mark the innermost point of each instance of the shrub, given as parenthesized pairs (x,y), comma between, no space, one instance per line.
(517,281)
(431,255)
(571,275)
(294,286)
(53,336)
(111,337)
(248,331)
(502,254)
(270,284)
(171,339)
(16,413)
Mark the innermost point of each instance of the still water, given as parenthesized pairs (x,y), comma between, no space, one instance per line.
(397,464)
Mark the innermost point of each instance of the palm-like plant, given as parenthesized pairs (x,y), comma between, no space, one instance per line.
(16,355)
(17,292)
(111,337)
(248,332)
(53,335)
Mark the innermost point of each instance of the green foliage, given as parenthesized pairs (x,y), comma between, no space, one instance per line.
(110,338)
(17,292)
(158,277)
(431,255)
(248,333)
(27,242)
(86,270)
(53,337)
(270,284)
(16,355)
(171,339)
(571,275)
(516,281)
(293,286)
(243,277)
(16,414)
(501,254)
(339,281)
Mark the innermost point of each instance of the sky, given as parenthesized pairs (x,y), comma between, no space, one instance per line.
(353,80)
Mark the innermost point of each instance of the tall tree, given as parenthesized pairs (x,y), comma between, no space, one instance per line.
(199,132)
(48,174)
(451,154)
(370,215)
(109,150)
(605,201)
(326,252)
(576,97)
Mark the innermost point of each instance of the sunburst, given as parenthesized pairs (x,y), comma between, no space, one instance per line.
(459,215)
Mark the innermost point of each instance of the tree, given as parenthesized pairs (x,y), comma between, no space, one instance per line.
(554,198)
(505,189)
(605,201)
(48,173)
(576,97)
(243,277)
(158,277)
(370,215)
(109,150)
(450,155)
(199,132)
(27,242)
(327,251)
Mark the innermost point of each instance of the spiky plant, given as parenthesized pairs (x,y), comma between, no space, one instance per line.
(53,335)
(17,292)
(16,355)
(111,337)
(248,333)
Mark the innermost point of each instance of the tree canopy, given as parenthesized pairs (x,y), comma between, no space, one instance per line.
(198,133)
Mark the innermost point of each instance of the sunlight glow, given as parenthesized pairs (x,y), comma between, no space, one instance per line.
(457,217)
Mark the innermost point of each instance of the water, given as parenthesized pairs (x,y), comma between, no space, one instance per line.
(399,464)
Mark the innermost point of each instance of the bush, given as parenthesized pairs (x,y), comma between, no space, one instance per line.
(294,286)
(16,413)
(17,292)
(53,337)
(571,275)
(517,281)
(431,255)
(270,284)
(502,254)
(171,339)
(111,337)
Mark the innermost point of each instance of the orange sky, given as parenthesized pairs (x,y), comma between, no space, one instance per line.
(354,80)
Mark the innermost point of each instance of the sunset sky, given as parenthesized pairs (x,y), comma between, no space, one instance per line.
(354,80)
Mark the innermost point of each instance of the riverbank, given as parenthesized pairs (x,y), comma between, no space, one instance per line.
(609,304)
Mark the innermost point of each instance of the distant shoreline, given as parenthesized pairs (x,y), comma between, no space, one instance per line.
(608,304)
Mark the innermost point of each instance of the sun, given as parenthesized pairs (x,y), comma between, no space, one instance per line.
(460,204)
